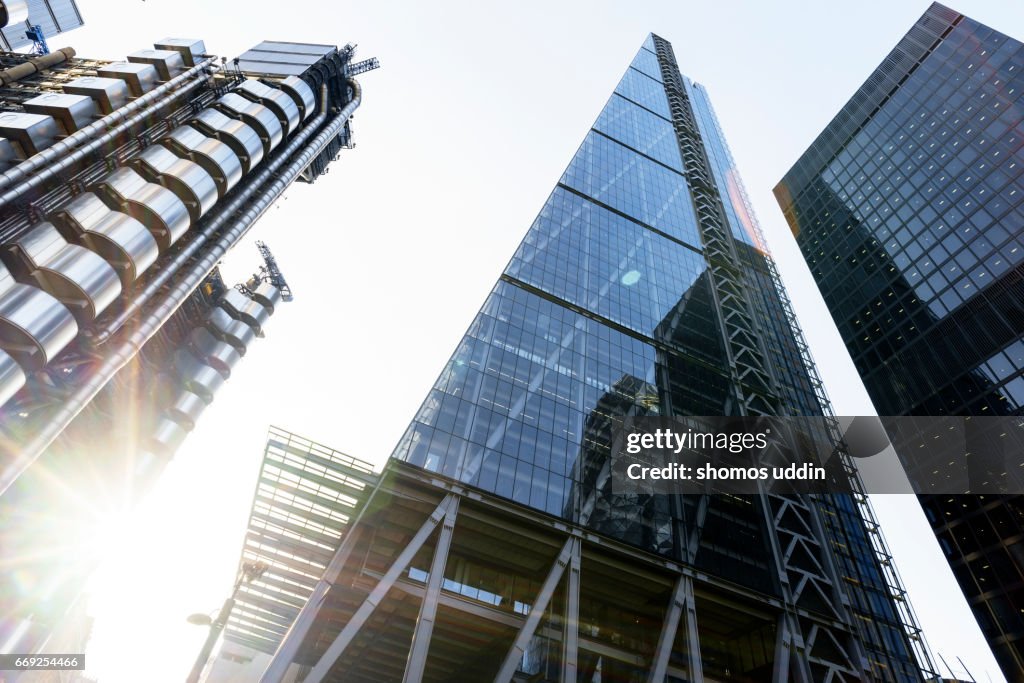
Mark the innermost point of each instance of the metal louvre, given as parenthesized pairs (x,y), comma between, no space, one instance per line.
(305,497)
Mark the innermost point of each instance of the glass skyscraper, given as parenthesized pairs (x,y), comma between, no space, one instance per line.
(908,209)
(642,288)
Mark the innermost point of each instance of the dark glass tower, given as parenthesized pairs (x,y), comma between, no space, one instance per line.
(908,211)
(642,288)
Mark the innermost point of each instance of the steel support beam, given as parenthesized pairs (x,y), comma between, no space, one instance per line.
(515,653)
(292,641)
(417,661)
(376,596)
(681,604)
(571,618)
(791,663)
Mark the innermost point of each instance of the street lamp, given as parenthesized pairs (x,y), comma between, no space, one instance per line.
(250,572)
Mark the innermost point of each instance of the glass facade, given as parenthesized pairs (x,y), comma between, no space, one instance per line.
(609,309)
(908,209)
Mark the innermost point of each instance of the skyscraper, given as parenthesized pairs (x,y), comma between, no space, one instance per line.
(642,288)
(908,211)
(122,185)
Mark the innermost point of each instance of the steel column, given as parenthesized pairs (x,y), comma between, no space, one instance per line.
(417,660)
(681,603)
(693,657)
(376,596)
(293,638)
(515,653)
(571,618)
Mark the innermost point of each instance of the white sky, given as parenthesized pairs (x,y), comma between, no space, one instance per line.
(463,132)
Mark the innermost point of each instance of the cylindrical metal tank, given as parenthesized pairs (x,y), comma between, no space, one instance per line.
(267,294)
(34,326)
(120,239)
(245,309)
(213,155)
(156,207)
(256,115)
(234,332)
(77,277)
(182,176)
(281,104)
(238,135)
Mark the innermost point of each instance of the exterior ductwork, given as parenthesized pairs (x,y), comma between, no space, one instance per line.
(75,276)
(156,207)
(34,326)
(258,196)
(112,230)
(213,155)
(236,134)
(263,121)
(120,239)
(184,177)
(66,153)
(213,225)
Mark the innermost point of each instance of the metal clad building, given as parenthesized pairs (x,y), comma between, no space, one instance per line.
(122,185)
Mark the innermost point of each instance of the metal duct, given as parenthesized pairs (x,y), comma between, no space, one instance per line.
(34,326)
(197,376)
(72,112)
(148,325)
(182,176)
(16,73)
(238,135)
(256,115)
(190,49)
(280,103)
(267,294)
(216,223)
(168,436)
(29,133)
(213,155)
(75,276)
(219,355)
(120,239)
(186,409)
(108,93)
(234,332)
(156,207)
(300,93)
(243,308)
(168,63)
